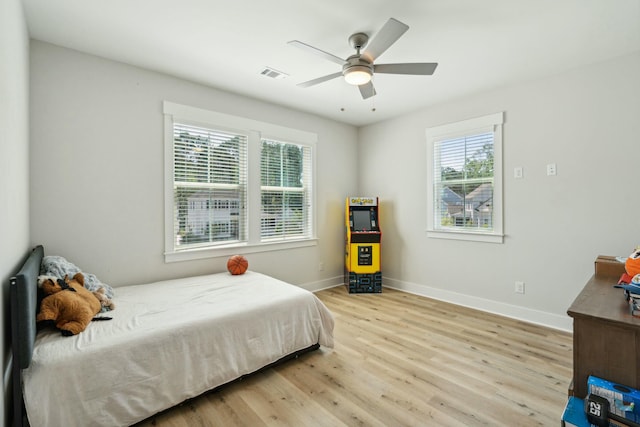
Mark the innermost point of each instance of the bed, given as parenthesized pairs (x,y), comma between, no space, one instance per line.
(168,342)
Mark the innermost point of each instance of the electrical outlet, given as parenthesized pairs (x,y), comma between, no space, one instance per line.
(519,287)
(321,266)
(551,169)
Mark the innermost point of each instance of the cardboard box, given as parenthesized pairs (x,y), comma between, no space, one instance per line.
(608,267)
(624,402)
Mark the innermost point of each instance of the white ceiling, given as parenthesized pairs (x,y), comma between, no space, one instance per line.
(479,44)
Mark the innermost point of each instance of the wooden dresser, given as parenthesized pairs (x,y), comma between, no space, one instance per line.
(606,337)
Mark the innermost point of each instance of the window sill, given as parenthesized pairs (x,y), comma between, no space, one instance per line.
(466,235)
(243,248)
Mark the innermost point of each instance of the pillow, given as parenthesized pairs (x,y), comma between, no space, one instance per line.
(59,267)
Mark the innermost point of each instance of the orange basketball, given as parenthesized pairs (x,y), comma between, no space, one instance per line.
(237,264)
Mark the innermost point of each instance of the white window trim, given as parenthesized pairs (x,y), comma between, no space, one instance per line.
(450,130)
(256,131)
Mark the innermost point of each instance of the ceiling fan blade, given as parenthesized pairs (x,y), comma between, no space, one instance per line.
(418,69)
(367,90)
(320,79)
(390,32)
(316,51)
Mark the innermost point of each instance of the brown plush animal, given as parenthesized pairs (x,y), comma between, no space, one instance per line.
(68,303)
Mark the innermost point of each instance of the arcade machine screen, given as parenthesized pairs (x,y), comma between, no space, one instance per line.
(362,220)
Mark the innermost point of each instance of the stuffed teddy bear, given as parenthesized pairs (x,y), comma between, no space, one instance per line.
(105,302)
(67,303)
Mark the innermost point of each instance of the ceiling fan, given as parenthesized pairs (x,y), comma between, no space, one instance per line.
(358,69)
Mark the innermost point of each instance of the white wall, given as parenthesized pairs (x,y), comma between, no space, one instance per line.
(97,170)
(587,121)
(14,165)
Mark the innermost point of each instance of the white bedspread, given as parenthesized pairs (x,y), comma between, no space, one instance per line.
(169,341)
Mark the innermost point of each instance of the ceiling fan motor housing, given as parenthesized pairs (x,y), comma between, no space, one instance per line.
(356,63)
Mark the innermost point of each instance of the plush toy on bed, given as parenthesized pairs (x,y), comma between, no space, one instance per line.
(105,302)
(67,303)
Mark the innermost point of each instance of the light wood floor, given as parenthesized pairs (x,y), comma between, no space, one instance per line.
(401,360)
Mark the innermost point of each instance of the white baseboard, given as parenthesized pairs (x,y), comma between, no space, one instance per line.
(563,323)
(323,284)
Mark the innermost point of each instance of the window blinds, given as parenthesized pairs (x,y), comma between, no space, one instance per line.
(286,188)
(210,186)
(463,182)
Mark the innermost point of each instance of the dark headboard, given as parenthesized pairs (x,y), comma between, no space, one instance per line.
(24,301)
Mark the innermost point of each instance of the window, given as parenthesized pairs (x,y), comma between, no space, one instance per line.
(234,185)
(210,169)
(285,190)
(464,192)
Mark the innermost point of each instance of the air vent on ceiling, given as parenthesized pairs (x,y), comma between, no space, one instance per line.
(274,74)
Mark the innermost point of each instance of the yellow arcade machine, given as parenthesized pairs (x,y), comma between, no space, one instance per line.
(362,254)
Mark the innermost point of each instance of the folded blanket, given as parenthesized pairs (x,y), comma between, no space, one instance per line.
(59,267)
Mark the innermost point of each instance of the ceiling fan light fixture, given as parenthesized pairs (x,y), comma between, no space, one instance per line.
(357,75)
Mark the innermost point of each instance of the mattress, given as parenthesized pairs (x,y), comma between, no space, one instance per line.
(167,342)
